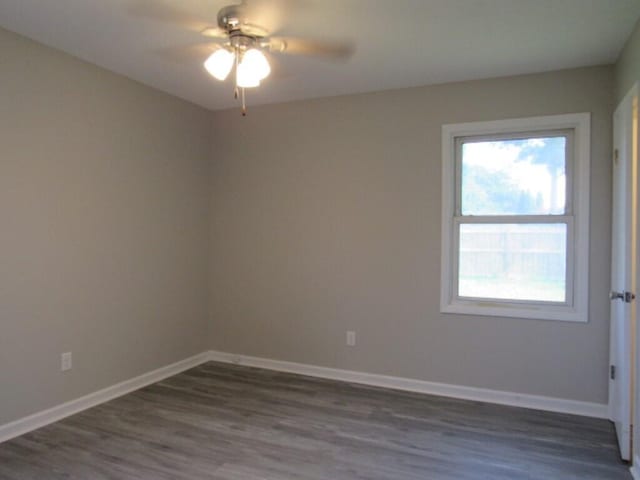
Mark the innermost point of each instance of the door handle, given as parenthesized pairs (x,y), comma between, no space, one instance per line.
(616,295)
(626,297)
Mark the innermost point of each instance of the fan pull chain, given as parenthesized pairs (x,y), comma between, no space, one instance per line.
(239,91)
(235,88)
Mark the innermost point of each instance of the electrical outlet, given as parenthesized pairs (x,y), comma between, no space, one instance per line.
(65,361)
(351,338)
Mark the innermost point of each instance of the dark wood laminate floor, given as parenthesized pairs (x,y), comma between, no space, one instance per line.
(230,422)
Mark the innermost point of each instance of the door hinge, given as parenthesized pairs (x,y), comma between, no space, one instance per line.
(612,372)
(616,154)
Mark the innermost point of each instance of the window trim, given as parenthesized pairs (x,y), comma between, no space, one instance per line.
(576,217)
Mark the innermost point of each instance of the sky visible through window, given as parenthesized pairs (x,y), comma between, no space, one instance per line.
(513,261)
(514,177)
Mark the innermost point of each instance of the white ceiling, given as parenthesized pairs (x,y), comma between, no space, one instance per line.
(399,43)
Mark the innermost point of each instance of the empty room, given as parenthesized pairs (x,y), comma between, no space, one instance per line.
(319,239)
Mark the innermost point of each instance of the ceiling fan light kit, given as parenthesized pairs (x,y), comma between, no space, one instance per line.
(251,69)
(244,48)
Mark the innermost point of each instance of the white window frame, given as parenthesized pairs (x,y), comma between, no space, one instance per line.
(575,309)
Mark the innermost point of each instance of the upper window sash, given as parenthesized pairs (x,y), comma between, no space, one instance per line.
(567,134)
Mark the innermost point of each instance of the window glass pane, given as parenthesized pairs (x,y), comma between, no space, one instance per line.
(514,177)
(513,261)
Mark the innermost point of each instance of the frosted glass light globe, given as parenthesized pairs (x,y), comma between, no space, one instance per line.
(256,63)
(219,63)
(245,77)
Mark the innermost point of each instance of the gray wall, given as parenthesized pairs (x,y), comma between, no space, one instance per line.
(627,70)
(103,220)
(326,217)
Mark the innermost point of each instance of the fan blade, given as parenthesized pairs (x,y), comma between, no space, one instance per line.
(297,46)
(269,14)
(188,54)
(166,13)
(214,32)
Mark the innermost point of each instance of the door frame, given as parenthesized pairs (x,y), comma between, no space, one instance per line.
(634,92)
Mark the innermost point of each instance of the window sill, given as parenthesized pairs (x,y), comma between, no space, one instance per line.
(497,309)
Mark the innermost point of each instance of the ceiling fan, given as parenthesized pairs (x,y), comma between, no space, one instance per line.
(245,32)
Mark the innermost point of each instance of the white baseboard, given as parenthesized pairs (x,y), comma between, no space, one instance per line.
(45,417)
(635,468)
(537,402)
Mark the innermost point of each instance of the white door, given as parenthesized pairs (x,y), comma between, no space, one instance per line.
(623,271)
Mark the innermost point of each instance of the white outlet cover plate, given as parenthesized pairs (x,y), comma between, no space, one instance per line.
(66,361)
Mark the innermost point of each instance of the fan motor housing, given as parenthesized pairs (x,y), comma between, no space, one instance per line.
(233,18)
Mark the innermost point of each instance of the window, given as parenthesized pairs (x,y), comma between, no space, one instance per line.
(515,218)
